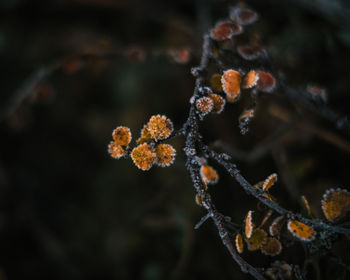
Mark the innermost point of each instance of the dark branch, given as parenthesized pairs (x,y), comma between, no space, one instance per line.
(192,137)
(234,172)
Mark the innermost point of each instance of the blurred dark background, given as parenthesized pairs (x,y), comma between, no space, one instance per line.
(69,211)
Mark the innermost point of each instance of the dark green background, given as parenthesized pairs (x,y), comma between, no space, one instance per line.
(69,211)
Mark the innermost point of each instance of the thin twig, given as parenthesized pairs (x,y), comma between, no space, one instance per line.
(27,88)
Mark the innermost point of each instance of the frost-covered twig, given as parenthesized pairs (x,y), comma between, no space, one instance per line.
(192,137)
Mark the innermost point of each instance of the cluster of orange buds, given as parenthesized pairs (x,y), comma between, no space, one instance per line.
(257,238)
(158,128)
(225,30)
(210,103)
(233,81)
(268,240)
(335,205)
(122,138)
(148,151)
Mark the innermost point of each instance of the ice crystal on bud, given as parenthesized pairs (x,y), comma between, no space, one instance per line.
(116,151)
(122,135)
(205,105)
(159,127)
(165,155)
(143,156)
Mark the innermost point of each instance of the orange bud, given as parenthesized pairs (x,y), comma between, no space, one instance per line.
(266,82)
(335,203)
(249,225)
(276,226)
(143,156)
(209,174)
(159,127)
(198,200)
(258,238)
(205,105)
(231,84)
(116,151)
(239,243)
(165,155)
(219,102)
(269,182)
(301,231)
(272,247)
(251,79)
(122,135)
(224,30)
(250,52)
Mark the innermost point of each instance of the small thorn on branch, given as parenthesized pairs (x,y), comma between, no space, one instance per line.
(202,221)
